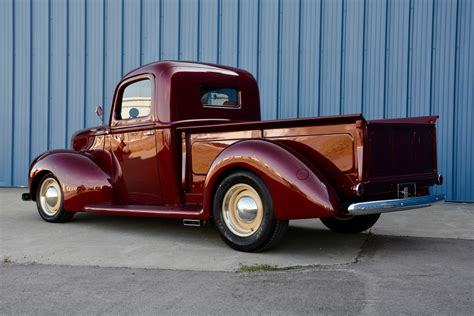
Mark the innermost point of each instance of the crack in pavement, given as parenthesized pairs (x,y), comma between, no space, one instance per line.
(362,247)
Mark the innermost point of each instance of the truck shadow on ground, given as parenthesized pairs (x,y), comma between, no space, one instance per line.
(299,240)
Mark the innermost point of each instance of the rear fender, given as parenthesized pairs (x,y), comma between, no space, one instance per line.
(298,190)
(83,181)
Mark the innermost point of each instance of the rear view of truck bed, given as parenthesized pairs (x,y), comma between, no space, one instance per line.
(400,151)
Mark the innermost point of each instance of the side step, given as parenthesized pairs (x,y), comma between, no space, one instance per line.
(192,222)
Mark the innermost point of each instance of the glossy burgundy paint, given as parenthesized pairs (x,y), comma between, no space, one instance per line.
(298,190)
(86,183)
(169,163)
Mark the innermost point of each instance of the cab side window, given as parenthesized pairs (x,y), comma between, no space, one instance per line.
(220,97)
(136,100)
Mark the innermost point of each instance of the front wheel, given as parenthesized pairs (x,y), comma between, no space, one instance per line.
(350,224)
(243,213)
(50,200)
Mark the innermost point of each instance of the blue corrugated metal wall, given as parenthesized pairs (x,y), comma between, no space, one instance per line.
(382,58)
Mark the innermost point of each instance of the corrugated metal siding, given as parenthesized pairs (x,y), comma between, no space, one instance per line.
(382,58)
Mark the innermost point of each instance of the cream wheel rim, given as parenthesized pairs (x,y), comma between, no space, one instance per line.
(242,210)
(345,218)
(50,196)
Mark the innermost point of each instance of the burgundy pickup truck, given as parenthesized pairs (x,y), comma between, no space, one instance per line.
(185,140)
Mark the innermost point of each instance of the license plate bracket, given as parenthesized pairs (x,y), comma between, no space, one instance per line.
(406,190)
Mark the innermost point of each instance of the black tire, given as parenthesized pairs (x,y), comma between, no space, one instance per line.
(59,215)
(270,230)
(350,224)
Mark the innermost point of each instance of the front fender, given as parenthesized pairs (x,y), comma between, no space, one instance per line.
(298,190)
(82,180)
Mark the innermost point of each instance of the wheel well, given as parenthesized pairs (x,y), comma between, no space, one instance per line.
(35,183)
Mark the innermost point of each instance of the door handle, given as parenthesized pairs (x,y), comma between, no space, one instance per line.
(148,133)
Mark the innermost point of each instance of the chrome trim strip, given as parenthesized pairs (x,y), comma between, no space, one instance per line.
(385,206)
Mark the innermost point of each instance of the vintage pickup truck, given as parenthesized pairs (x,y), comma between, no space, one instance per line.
(185,140)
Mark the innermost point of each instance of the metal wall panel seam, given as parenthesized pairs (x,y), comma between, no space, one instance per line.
(364,50)
(433,29)
(179,29)
(298,87)
(85,66)
(199,31)
(454,131)
(104,30)
(386,54)
(278,61)
(141,33)
(410,17)
(238,33)
(31,83)
(67,75)
(12,154)
(49,77)
(321,50)
(219,31)
(341,61)
(257,75)
(160,40)
(122,22)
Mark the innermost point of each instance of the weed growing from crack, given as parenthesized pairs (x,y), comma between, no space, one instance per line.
(256,268)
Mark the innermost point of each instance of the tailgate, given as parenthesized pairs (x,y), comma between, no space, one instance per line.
(401,148)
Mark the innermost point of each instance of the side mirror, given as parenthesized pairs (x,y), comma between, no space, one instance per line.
(100,113)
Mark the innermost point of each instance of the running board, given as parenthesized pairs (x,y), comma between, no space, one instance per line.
(188,212)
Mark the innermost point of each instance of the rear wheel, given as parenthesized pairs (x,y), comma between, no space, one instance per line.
(350,224)
(50,200)
(243,213)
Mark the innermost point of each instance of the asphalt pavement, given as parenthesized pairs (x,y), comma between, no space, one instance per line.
(413,262)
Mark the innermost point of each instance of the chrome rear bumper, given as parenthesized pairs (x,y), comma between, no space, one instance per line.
(385,206)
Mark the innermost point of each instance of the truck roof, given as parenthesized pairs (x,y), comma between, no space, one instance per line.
(173,67)
(179,86)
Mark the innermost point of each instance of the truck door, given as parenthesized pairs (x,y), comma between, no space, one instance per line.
(133,143)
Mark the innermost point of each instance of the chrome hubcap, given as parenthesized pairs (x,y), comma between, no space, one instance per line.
(50,196)
(242,210)
(247,208)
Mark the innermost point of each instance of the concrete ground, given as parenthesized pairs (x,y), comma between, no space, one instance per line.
(415,262)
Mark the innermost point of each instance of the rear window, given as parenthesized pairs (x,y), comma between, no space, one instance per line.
(220,97)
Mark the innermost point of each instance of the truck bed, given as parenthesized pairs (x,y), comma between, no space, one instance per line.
(347,150)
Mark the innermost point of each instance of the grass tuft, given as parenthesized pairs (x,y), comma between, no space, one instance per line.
(256,268)
(8,259)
